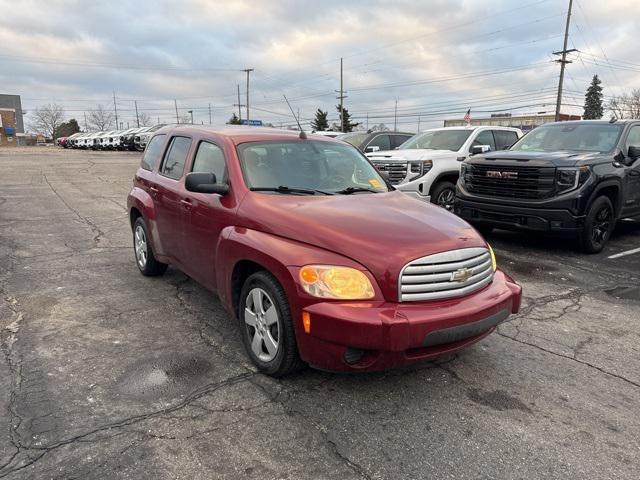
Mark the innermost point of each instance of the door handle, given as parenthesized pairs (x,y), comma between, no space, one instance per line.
(186,204)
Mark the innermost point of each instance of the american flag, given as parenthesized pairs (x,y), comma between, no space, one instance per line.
(467,117)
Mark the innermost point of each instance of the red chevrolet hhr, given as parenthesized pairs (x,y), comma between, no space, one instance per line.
(312,250)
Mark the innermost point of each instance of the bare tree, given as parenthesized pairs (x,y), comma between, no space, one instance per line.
(47,119)
(100,119)
(145,120)
(626,105)
(185,118)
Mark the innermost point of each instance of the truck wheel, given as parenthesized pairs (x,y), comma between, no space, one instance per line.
(267,327)
(444,194)
(146,261)
(598,226)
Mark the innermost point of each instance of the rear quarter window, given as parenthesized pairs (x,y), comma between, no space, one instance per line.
(153,152)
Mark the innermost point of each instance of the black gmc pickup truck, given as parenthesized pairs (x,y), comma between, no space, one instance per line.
(574,178)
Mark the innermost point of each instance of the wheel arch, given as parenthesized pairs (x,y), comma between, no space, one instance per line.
(613,191)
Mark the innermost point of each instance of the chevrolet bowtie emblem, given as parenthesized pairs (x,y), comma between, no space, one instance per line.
(461,275)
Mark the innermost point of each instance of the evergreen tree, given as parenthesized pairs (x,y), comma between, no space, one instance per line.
(234,120)
(346,126)
(593,109)
(67,129)
(320,123)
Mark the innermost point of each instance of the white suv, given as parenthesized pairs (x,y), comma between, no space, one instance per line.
(427,166)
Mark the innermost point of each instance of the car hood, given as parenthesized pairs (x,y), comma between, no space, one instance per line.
(563,158)
(410,154)
(382,231)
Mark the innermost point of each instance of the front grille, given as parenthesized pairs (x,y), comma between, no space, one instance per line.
(445,275)
(397,170)
(510,181)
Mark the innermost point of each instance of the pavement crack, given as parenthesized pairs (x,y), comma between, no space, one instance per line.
(572,358)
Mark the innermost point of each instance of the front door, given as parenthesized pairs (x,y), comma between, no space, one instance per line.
(168,197)
(632,180)
(205,215)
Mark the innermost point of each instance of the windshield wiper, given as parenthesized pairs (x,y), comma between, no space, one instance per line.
(350,190)
(286,189)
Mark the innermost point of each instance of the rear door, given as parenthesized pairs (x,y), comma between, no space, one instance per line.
(168,194)
(205,215)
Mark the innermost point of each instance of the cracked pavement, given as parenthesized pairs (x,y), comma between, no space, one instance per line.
(107,374)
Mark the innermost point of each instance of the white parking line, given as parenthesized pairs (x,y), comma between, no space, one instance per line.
(624,254)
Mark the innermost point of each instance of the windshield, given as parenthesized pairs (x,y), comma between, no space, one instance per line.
(307,164)
(582,137)
(438,140)
(354,139)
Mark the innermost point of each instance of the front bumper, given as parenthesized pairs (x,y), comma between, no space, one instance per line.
(531,218)
(361,336)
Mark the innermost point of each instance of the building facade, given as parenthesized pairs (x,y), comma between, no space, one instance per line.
(523,122)
(11,121)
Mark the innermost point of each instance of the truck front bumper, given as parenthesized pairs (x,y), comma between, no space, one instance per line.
(362,336)
(532,218)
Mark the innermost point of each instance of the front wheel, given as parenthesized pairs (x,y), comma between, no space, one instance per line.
(598,225)
(267,327)
(444,195)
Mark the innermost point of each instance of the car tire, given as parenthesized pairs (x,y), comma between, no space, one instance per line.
(267,327)
(443,195)
(145,259)
(598,225)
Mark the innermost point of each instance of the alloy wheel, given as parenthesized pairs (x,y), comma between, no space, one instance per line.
(261,321)
(140,244)
(446,199)
(601,225)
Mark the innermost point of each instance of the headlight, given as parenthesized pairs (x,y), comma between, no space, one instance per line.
(418,169)
(494,264)
(571,178)
(327,281)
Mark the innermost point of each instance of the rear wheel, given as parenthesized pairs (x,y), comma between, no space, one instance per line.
(598,226)
(145,259)
(444,195)
(267,327)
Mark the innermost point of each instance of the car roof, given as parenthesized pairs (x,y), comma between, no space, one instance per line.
(594,122)
(242,134)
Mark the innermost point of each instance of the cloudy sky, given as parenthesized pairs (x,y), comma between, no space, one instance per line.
(436,58)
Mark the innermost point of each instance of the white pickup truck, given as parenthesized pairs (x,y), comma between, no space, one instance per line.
(427,166)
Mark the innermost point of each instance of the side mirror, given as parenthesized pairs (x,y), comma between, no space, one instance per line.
(204,183)
(476,149)
(634,152)
(372,149)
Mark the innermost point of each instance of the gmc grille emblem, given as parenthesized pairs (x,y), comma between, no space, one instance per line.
(497,174)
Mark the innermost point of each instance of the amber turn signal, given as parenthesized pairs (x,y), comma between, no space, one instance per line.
(306,322)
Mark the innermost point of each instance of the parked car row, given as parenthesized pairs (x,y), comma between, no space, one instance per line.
(130,139)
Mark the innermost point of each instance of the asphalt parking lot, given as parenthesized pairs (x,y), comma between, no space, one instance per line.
(108,374)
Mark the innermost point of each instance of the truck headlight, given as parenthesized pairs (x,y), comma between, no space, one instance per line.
(328,281)
(418,169)
(571,178)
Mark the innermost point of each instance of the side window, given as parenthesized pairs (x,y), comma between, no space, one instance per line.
(397,140)
(380,141)
(210,159)
(485,138)
(504,139)
(152,153)
(633,140)
(176,157)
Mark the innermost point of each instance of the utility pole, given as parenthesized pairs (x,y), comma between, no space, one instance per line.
(418,125)
(175,103)
(395,117)
(209,114)
(367,121)
(341,97)
(115,107)
(86,127)
(248,70)
(239,105)
(135,102)
(563,61)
